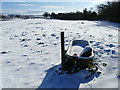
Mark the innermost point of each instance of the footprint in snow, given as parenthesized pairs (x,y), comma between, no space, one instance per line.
(38,39)
(13,37)
(23,40)
(113,52)
(42,29)
(9,61)
(114,56)
(104,64)
(25,55)
(118,75)
(77,33)
(110,35)
(18,69)
(24,34)
(100,47)
(91,41)
(98,43)
(38,27)
(82,22)
(53,35)
(66,44)
(55,44)
(32,63)
(43,35)
(5,52)
(24,45)
(26,83)
(90,36)
(41,64)
(40,43)
(110,45)
(57,37)
(36,34)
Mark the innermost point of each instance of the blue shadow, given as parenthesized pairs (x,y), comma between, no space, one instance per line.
(54,80)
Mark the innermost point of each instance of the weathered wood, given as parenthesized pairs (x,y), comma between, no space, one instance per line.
(62,50)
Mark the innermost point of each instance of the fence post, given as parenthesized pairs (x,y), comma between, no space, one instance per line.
(62,50)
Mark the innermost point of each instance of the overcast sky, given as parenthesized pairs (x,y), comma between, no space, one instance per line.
(38,7)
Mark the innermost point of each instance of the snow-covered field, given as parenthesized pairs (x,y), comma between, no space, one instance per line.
(31,53)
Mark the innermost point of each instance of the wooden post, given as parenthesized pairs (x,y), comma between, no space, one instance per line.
(62,50)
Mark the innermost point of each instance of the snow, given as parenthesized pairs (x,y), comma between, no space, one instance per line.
(76,50)
(31,53)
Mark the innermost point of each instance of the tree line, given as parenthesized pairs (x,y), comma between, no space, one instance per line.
(108,11)
(86,15)
(14,16)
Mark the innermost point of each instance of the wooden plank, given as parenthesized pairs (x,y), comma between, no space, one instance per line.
(62,50)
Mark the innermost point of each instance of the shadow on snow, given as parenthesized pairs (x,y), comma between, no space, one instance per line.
(54,80)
